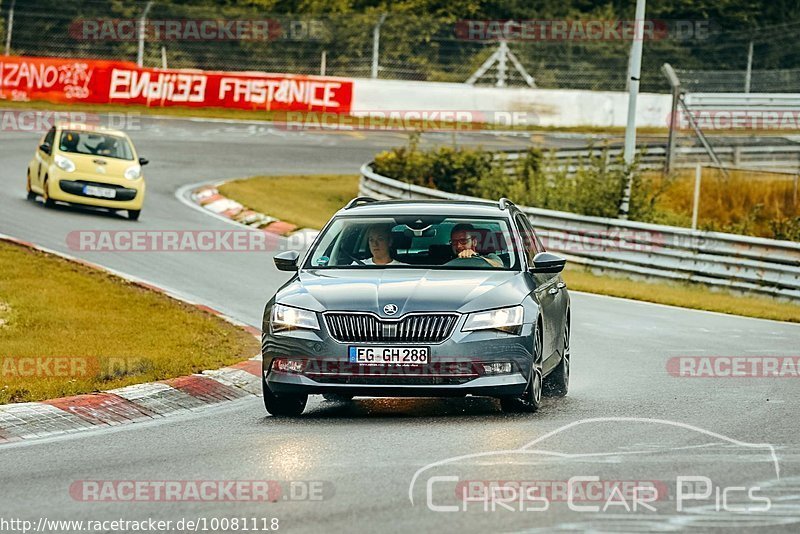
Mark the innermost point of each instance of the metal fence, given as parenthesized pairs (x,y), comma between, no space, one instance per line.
(409,47)
(726,261)
(785,157)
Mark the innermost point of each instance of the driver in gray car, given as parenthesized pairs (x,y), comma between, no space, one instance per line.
(463,240)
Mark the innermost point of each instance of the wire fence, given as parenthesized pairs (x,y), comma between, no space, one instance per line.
(409,47)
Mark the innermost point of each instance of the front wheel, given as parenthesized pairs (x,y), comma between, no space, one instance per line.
(134,214)
(290,405)
(557,383)
(48,202)
(531,398)
(31,194)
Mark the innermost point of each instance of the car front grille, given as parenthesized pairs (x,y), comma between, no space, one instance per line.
(75,187)
(414,328)
(442,373)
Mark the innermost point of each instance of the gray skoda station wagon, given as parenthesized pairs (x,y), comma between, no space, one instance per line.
(419,299)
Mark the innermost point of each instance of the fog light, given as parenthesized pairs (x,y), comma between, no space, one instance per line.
(498,368)
(285,365)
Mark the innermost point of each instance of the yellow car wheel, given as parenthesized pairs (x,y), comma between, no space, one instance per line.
(48,202)
(31,194)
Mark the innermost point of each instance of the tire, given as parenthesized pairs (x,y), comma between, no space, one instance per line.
(557,383)
(48,202)
(337,397)
(531,398)
(134,214)
(283,405)
(31,194)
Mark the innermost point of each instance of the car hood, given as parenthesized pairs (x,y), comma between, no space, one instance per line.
(411,290)
(99,165)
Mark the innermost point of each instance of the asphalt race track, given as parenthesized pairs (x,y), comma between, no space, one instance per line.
(635,422)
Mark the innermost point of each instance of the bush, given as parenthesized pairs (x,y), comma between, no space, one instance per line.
(595,188)
(738,204)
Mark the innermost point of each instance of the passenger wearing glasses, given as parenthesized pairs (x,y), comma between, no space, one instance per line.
(463,240)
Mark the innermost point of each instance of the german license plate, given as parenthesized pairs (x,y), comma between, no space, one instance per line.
(394,355)
(103,192)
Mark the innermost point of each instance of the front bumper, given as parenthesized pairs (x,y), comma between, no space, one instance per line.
(129,196)
(455,367)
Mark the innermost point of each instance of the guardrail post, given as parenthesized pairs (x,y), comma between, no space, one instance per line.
(698,174)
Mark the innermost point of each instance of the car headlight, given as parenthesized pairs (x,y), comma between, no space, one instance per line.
(288,318)
(505,319)
(134,172)
(64,164)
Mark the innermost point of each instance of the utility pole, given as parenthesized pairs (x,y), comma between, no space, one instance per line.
(376,42)
(633,92)
(675,84)
(142,28)
(10,28)
(749,72)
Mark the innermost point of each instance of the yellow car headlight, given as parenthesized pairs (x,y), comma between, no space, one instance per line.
(134,172)
(65,164)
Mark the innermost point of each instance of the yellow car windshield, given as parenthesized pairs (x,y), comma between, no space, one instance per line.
(95,144)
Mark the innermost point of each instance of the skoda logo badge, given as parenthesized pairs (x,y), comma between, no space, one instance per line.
(390,309)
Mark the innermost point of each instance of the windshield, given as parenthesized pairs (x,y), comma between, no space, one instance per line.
(95,144)
(420,241)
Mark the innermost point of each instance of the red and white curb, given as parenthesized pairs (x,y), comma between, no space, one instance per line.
(130,404)
(209,198)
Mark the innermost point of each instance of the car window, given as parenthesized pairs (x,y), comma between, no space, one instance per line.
(95,144)
(50,137)
(416,241)
(530,241)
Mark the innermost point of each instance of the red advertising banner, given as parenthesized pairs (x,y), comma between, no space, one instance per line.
(119,82)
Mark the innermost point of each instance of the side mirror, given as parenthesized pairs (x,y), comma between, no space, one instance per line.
(46,148)
(546,263)
(143,161)
(287,261)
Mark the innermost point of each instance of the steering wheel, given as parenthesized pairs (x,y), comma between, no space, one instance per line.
(352,257)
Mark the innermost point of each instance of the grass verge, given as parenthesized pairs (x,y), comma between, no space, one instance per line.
(80,330)
(684,295)
(310,200)
(305,200)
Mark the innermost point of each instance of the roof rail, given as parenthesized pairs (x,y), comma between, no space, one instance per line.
(359,200)
(505,203)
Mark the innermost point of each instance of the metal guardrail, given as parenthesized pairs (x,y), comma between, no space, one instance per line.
(736,262)
(755,157)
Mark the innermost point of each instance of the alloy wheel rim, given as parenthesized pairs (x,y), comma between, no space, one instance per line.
(566,352)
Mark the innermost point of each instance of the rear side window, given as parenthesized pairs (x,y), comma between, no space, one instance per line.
(530,241)
(50,137)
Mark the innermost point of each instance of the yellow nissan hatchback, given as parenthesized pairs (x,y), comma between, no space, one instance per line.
(87,165)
